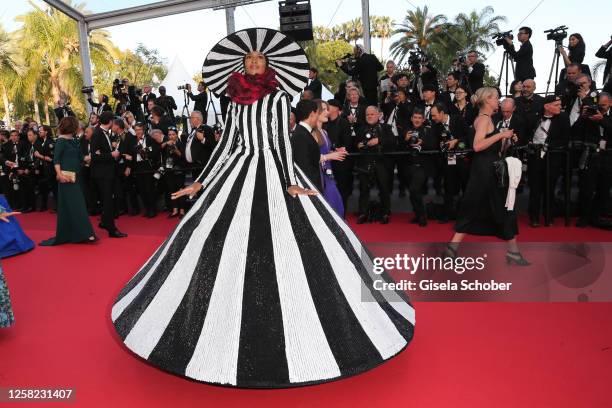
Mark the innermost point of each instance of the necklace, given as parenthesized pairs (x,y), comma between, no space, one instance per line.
(484,114)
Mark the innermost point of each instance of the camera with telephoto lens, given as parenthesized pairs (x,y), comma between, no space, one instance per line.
(557,34)
(444,138)
(217,128)
(86,90)
(414,137)
(159,173)
(500,38)
(350,61)
(182,87)
(415,59)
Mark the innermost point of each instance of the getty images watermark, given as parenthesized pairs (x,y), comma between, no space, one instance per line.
(558,271)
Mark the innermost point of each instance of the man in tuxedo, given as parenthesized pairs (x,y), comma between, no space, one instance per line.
(201,99)
(99,107)
(507,119)
(147,95)
(523,57)
(605,52)
(354,111)
(552,131)
(339,131)
(314,84)
(595,165)
(375,137)
(199,143)
(46,177)
(366,71)
(429,100)
(452,83)
(103,162)
(63,110)
(306,153)
(476,72)
(529,105)
(450,130)
(146,160)
(386,82)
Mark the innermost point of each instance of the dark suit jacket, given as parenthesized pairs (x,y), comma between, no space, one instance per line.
(339,133)
(102,162)
(606,54)
(457,129)
(517,123)
(306,154)
(61,112)
(201,152)
(145,100)
(530,109)
(524,61)
(366,70)
(476,77)
(201,100)
(316,87)
(99,107)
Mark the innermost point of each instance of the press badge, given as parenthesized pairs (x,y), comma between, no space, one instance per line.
(452,160)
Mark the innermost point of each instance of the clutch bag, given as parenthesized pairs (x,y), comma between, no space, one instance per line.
(70,175)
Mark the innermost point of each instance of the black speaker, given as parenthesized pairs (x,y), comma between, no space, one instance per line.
(296,19)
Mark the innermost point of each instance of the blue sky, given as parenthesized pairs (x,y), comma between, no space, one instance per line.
(190,36)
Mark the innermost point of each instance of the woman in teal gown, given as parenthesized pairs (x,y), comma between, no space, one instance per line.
(73,225)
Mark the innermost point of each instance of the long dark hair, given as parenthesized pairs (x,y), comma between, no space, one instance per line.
(576,54)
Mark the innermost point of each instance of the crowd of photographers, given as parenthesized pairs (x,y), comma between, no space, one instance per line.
(402,126)
(149,158)
(412,129)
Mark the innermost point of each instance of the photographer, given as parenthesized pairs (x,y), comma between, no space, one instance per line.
(476,72)
(450,131)
(173,160)
(364,68)
(375,137)
(577,49)
(201,99)
(524,56)
(551,132)
(354,110)
(452,83)
(416,168)
(314,84)
(28,171)
(166,102)
(10,166)
(44,155)
(158,120)
(100,107)
(595,129)
(124,142)
(63,109)
(199,143)
(147,96)
(529,104)
(508,119)
(605,52)
(428,101)
(147,157)
(386,83)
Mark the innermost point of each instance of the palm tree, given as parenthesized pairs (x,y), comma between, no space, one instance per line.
(354,30)
(381,27)
(419,29)
(475,29)
(8,71)
(50,45)
(321,33)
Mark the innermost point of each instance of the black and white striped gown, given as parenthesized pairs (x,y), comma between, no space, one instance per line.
(255,288)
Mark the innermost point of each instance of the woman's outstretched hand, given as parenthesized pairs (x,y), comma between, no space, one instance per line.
(191,191)
(294,191)
(5,215)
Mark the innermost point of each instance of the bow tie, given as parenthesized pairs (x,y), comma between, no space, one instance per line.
(546,118)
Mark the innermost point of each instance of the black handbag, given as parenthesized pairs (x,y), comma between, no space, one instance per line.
(501,171)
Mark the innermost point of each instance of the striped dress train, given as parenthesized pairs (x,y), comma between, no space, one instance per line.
(255,288)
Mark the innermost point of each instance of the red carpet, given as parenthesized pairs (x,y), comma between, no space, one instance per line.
(463,354)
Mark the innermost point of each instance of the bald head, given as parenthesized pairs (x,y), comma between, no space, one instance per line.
(507,108)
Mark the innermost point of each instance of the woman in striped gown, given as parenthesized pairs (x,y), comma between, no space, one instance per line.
(262,284)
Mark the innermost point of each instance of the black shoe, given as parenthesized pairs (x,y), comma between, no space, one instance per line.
(42,209)
(582,222)
(362,218)
(91,239)
(28,210)
(415,220)
(117,234)
(449,252)
(443,220)
(150,214)
(422,221)
(384,219)
(134,213)
(516,258)
(550,223)
(100,225)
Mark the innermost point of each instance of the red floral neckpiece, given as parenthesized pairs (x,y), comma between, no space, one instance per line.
(246,89)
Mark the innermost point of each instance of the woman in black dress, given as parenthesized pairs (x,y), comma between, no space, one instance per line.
(483,209)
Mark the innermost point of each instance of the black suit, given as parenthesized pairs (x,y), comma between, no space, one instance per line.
(606,54)
(524,61)
(366,72)
(517,123)
(476,77)
(145,100)
(200,151)
(339,133)
(316,87)
(454,169)
(558,137)
(62,112)
(46,178)
(530,109)
(306,154)
(103,174)
(201,100)
(100,107)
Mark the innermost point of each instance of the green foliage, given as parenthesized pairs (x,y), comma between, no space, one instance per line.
(323,56)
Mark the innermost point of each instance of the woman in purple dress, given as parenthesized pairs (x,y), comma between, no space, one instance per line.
(330,190)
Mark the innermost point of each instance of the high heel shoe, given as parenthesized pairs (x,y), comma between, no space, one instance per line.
(516,258)
(449,252)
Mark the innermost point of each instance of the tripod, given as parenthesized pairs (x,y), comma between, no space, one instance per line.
(210,103)
(185,109)
(554,65)
(506,60)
